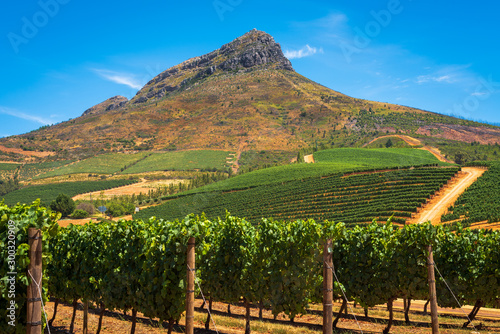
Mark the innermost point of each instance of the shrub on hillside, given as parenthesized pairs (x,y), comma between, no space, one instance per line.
(86,206)
(117,209)
(63,204)
(79,214)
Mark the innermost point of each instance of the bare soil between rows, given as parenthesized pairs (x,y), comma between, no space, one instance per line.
(117,322)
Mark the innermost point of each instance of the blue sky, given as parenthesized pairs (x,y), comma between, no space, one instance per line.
(60,57)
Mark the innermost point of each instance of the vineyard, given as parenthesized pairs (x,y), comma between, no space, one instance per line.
(8,166)
(480,202)
(333,161)
(30,171)
(141,266)
(49,192)
(378,157)
(100,164)
(182,160)
(7,170)
(350,198)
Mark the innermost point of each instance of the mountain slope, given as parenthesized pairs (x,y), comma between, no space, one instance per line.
(243,96)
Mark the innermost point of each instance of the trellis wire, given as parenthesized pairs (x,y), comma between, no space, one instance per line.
(343,293)
(461,308)
(41,298)
(204,300)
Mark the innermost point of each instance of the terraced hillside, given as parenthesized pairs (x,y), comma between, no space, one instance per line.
(348,197)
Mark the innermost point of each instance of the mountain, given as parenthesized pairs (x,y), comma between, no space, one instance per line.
(242,96)
(112,103)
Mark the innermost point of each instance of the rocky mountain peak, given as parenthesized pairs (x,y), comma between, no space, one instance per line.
(255,49)
(252,49)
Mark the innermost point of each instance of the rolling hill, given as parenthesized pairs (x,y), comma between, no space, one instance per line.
(353,185)
(244,96)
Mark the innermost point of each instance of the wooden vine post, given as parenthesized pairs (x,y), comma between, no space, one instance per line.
(432,291)
(327,288)
(190,286)
(34,298)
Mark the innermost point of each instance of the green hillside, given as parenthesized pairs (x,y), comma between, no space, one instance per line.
(320,190)
(330,162)
(378,157)
(353,198)
(8,166)
(49,192)
(181,160)
(100,164)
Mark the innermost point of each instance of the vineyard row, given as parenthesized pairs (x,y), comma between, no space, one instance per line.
(142,265)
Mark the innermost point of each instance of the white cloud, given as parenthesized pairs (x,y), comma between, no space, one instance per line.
(429,78)
(119,78)
(452,74)
(21,115)
(306,51)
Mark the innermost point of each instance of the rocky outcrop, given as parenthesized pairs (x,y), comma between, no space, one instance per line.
(252,50)
(110,104)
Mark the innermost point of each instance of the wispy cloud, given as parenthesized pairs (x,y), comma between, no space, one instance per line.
(430,78)
(119,78)
(454,74)
(306,51)
(26,117)
(331,22)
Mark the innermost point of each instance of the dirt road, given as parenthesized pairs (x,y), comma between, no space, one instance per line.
(141,187)
(409,140)
(415,142)
(435,208)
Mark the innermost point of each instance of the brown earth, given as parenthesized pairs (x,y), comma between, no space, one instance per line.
(418,305)
(10,162)
(141,187)
(26,153)
(468,134)
(437,153)
(485,225)
(437,206)
(118,323)
(309,159)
